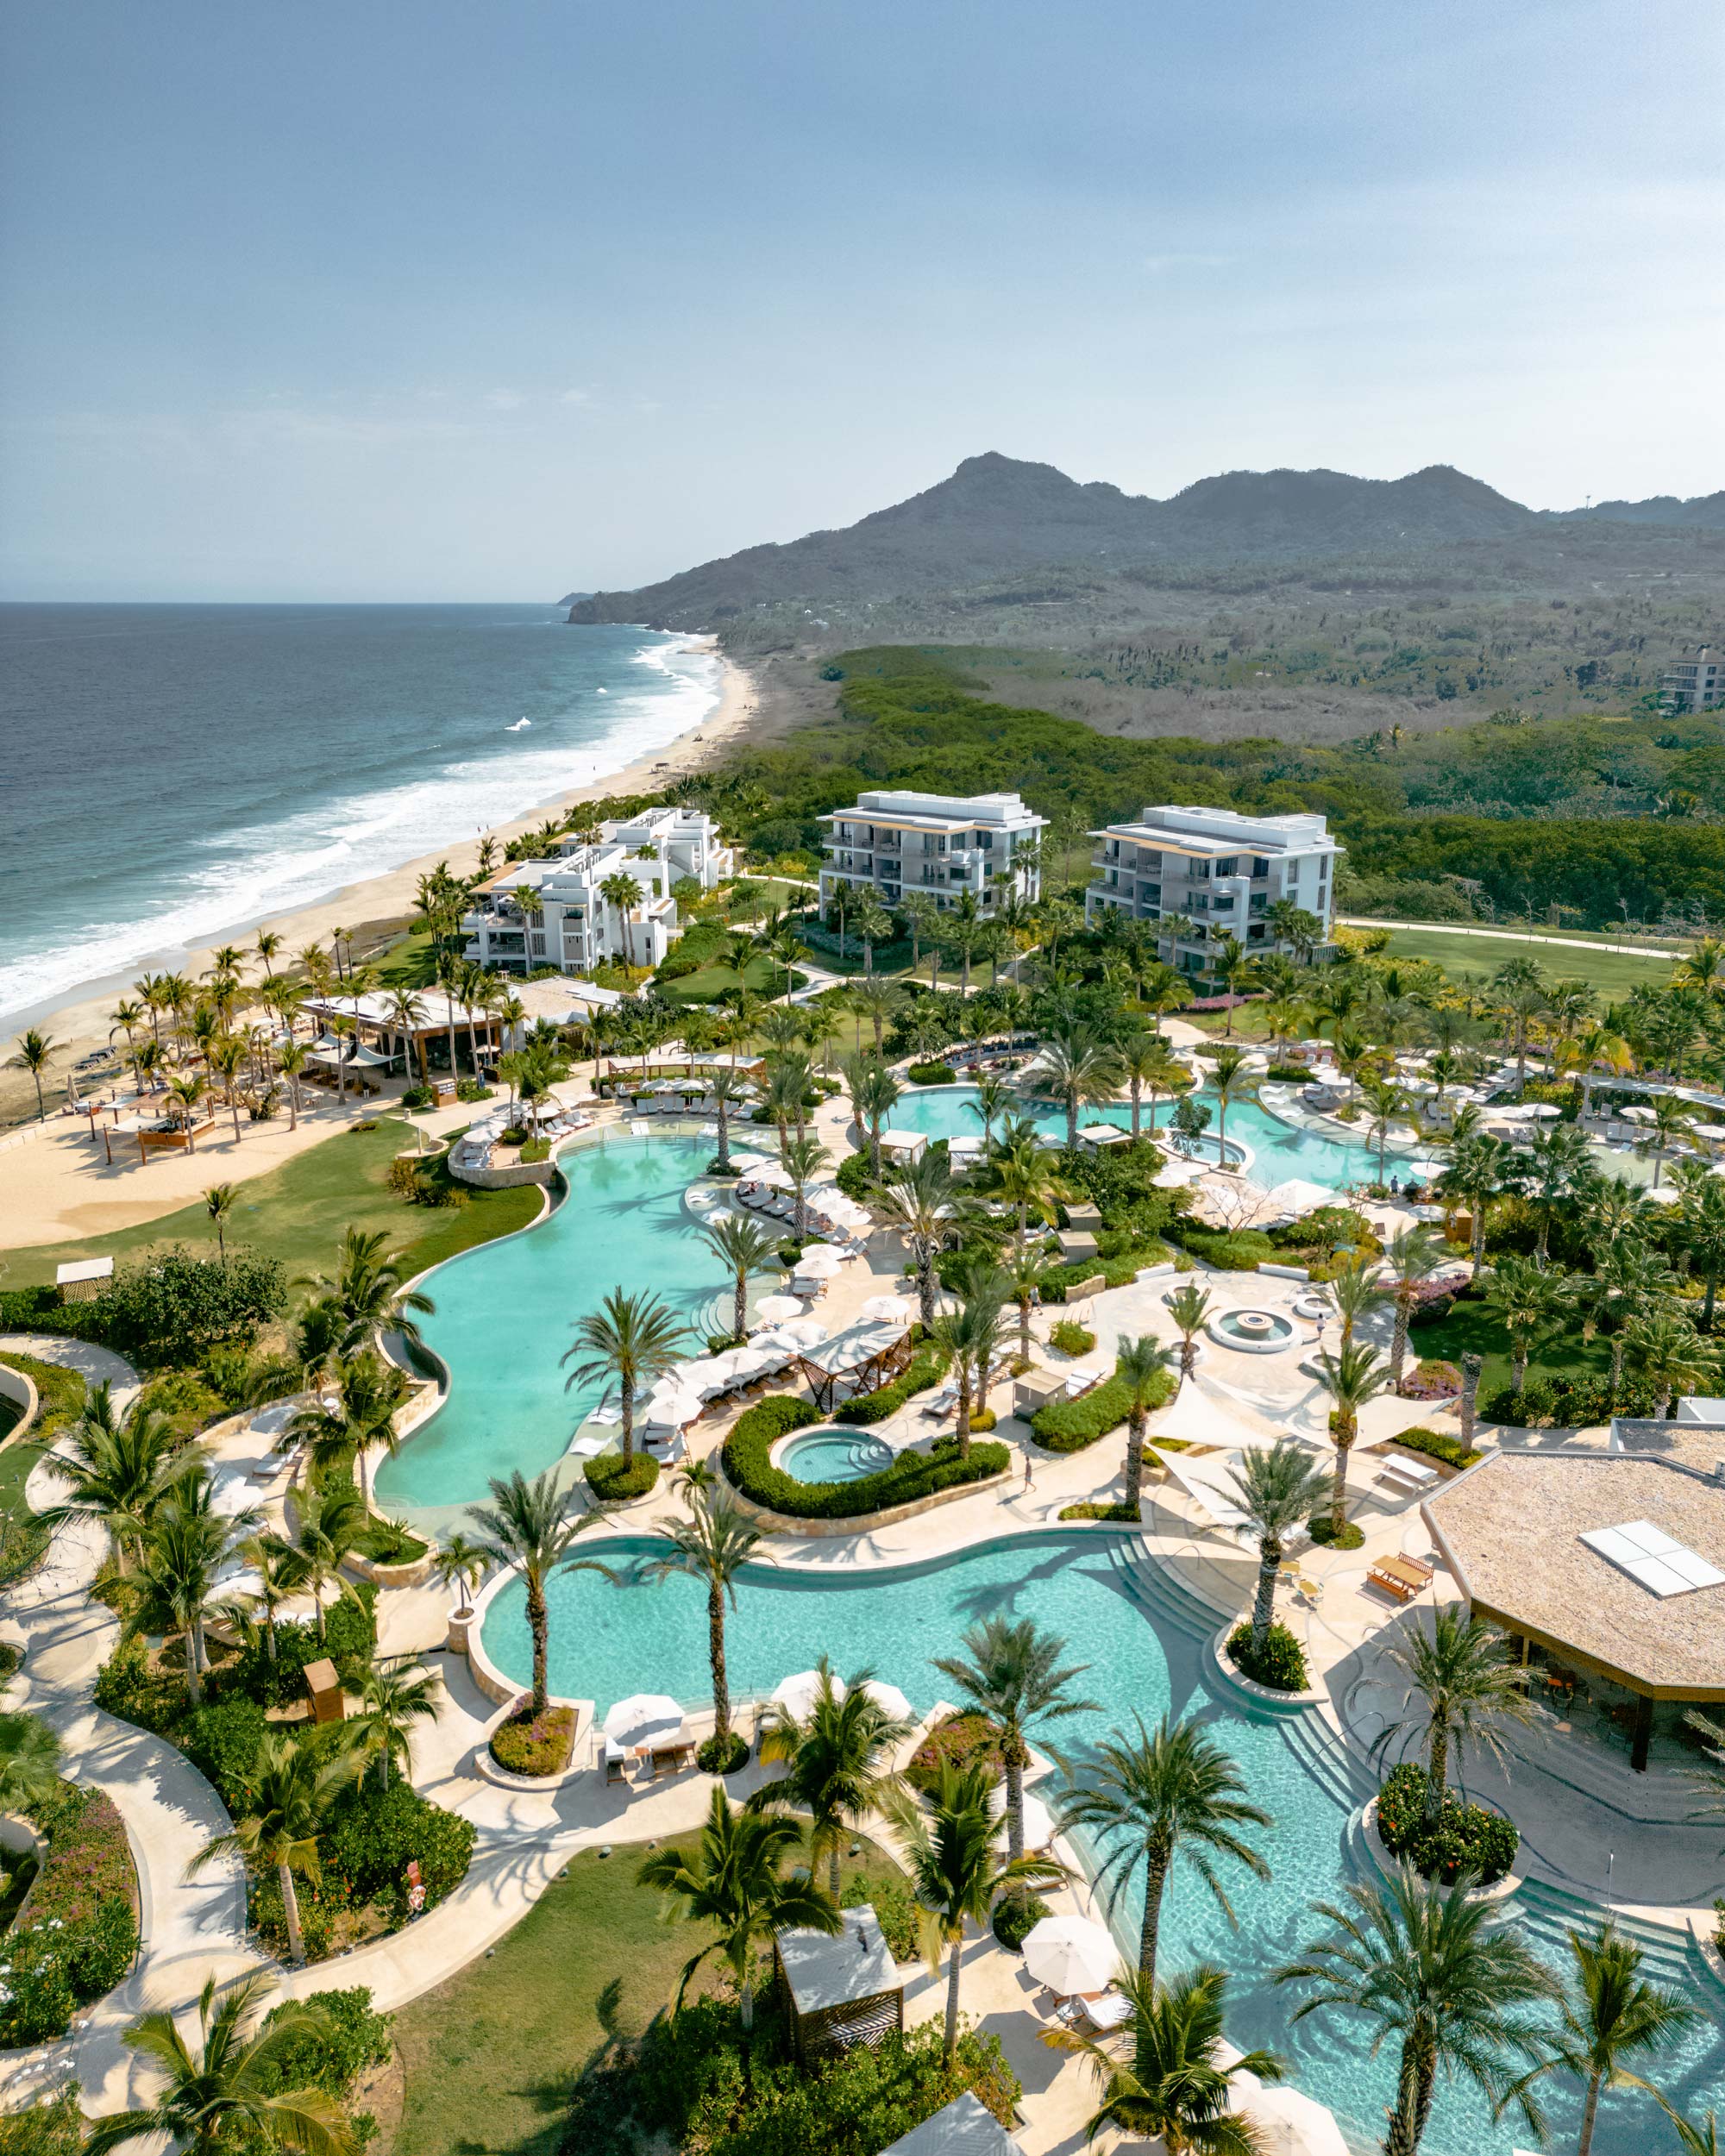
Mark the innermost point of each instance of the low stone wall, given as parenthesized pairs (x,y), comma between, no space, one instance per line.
(21,1392)
(512,1178)
(858,1523)
(413,1575)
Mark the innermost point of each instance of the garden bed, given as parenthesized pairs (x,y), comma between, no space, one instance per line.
(534,1745)
(81,1935)
(913,1478)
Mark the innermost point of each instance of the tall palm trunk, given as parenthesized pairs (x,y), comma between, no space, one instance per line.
(1024,1328)
(1437,1768)
(953,1968)
(1013,1756)
(715,1648)
(1135,1106)
(625,1393)
(537,1625)
(1264,1606)
(1155,1878)
(1345,1435)
(1471,1368)
(963,1408)
(1135,1459)
(1398,1341)
(1589,2112)
(289,1904)
(739,1309)
(1412,2094)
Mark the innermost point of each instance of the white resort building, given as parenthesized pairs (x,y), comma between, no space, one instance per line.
(570,923)
(893,843)
(1213,872)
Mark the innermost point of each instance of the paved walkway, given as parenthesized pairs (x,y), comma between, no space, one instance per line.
(1522,936)
(170,1810)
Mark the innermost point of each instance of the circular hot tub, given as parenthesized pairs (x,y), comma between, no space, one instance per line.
(1311,1307)
(834,1454)
(1253,1331)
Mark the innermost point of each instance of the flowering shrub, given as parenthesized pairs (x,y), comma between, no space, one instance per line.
(1432,1380)
(80,1931)
(533,1744)
(1281,1665)
(967,1740)
(1463,1837)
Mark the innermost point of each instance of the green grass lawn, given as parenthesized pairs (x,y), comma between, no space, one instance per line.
(299,1212)
(716,980)
(19,1547)
(491,2056)
(1477,957)
(1475,1328)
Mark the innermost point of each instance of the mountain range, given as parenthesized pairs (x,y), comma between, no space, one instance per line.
(998,517)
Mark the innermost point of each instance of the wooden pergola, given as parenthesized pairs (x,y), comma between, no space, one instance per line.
(868,1355)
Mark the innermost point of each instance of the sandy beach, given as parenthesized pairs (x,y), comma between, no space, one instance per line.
(375,908)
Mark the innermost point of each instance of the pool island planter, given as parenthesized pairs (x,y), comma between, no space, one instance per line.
(858,1522)
(580,1739)
(1365,1823)
(413,1573)
(1235,1678)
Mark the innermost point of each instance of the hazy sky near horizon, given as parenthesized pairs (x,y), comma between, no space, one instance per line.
(371,302)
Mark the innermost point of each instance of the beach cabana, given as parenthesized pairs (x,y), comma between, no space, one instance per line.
(903,1145)
(840,1990)
(1098,1136)
(866,1356)
(964,2127)
(84,1278)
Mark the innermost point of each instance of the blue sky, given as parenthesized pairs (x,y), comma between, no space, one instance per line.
(459,301)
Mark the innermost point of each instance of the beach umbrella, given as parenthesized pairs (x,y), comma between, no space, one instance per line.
(776,1309)
(804,1333)
(818,1259)
(1541,1109)
(1638,1115)
(1070,1953)
(1300,1196)
(890,1700)
(749,1162)
(885,1310)
(796,1694)
(640,1718)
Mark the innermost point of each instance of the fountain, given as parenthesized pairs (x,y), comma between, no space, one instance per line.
(1253,1331)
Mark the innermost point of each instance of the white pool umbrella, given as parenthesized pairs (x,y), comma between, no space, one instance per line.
(819,1259)
(804,1333)
(1070,1953)
(1299,1196)
(749,1162)
(885,1310)
(890,1700)
(1638,1115)
(640,1718)
(776,1309)
(796,1694)
(1540,1109)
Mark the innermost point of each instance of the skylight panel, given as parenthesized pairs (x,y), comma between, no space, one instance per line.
(1653,1559)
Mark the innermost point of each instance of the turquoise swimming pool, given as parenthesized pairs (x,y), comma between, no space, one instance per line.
(608,1640)
(1280,1154)
(505,1313)
(834,1456)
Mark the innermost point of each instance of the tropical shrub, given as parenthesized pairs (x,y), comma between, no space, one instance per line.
(1438,1444)
(931,1075)
(349,1636)
(722,1754)
(1464,1837)
(1241,1250)
(374,1834)
(222,1742)
(1281,1664)
(1071,1337)
(352,2040)
(535,1743)
(894,1909)
(1432,1379)
(853,1178)
(60,1393)
(614,1481)
(51,2125)
(886,1400)
(1017,1914)
(416,1097)
(176,1305)
(1089,1510)
(1119,1271)
(184,1397)
(82,1929)
(968,1739)
(1068,1426)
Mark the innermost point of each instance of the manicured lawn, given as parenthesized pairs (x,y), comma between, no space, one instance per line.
(1477,957)
(410,963)
(1475,1328)
(299,1212)
(19,1548)
(491,2056)
(711,982)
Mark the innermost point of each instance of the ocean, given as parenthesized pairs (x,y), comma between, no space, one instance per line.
(168,773)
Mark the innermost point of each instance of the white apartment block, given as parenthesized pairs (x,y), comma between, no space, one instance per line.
(570,923)
(1219,871)
(942,844)
(1695,682)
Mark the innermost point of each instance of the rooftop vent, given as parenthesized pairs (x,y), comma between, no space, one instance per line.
(1649,1556)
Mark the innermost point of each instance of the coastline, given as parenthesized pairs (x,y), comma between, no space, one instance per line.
(373,905)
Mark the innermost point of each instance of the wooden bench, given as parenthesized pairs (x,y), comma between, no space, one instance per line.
(1403,1577)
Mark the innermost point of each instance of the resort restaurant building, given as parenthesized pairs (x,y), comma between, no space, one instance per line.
(1607,1570)
(555,912)
(894,843)
(1210,873)
(372,1034)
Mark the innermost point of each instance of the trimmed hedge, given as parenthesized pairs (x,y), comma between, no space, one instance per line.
(1464,1837)
(614,1481)
(748,1462)
(853,1177)
(1120,1271)
(1242,1250)
(1068,1426)
(886,1400)
(1280,1667)
(1071,1337)
(931,1075)
(1438,1445)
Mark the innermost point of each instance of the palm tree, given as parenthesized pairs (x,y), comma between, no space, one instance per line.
(1027,1176)
(289,1791)
(1479,1168)
(957,1334)
(1672,1118)
(1413,1255)
(948,1849)
(878,1001)
(1011,1674)
(462,1565)
(29,1754)
(1386,1100)
(727,1090)
(1531,1301)
(802,1160)
(218,1202)
(1229,1080)
(993,1100)
(921,1200)
(1277,1490)
(221,2096)
(371,1291)
(1421,1962)
(1353,1294)
(733,1881)
(1463,1690)
(34,1053)
(1141,1366)
(1188,1308)
(1026,1268)
(331,1520)
(1353,1377)
(1178,2085)
(712,1544)
(742,1247)
(1609,2014)
(170,1592)
(631,1339)
(529,1525)
(1171,1794)
(1078,1068)
(119,1468)
(1148,1066)
(874,1095)
(622,893)
(291,1062)
(1672,1357)
(838,1761)
(369,1393)
(393,1696)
